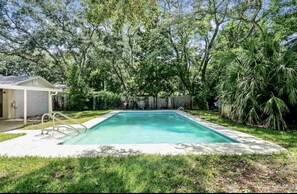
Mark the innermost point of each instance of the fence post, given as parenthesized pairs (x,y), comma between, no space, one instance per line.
(65,101)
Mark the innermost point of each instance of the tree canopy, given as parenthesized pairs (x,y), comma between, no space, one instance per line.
(241,52)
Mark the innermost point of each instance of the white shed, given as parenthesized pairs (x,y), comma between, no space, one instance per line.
(23,96)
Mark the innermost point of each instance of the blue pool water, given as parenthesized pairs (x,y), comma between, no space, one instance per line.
(148,128)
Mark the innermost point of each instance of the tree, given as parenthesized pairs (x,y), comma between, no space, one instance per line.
(77,90)
(160,47)
(53,33)
(260,82)
(283,15)
(156,73)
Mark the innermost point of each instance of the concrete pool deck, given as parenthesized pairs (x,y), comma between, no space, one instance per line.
(8,125)
(35,144)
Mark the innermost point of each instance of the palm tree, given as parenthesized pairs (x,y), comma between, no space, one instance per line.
(261,81)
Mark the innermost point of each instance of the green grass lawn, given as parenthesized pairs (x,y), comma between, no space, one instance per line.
(287,139)
(8,136)
(149,173)
(81,116)
(154,173)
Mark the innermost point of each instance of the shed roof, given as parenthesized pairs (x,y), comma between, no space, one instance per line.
(13,79)
(15,82)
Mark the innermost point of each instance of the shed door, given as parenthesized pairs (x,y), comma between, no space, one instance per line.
(1,103)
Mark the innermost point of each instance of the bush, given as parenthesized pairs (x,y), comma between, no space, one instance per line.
(200,101)
(260,82)
(107,100)
(78,91)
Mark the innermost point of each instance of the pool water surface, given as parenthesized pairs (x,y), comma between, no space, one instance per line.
(148,127)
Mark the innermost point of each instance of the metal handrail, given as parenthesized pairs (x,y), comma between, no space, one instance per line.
(54,118)
(181,108)
(42,121)
(71,119)
(68,125)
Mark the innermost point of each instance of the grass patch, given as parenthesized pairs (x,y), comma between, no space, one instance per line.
(8,136)
(206,173)
(287,139)
(81,116)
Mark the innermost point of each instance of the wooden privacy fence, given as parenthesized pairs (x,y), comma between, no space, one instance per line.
(134,103)
(59,102)
(150,102)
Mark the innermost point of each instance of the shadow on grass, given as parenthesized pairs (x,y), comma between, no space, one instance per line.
(150,173)
(112,174)
(108,151)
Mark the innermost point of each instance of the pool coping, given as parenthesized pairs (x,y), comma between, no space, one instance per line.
(35,144)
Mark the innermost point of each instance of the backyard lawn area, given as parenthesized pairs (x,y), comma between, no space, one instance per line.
(155,173)
(79,55)
(8,136)
(287,139)
(81,116)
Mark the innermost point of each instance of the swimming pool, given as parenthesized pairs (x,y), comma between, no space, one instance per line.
(148,127)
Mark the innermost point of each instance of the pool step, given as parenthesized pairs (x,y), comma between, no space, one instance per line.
(77,127)
(61,132)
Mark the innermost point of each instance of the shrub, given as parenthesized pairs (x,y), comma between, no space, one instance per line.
(77,90)
(200,101)
(107,100)
(261,82)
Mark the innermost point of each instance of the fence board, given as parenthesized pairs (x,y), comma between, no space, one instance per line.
(139,102)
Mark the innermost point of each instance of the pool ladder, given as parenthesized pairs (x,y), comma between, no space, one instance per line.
(57,127)
(181,108)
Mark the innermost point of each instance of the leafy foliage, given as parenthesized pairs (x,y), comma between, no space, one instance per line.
(260,82)
(160,47)
(107,100)
(201,101)
(78,93)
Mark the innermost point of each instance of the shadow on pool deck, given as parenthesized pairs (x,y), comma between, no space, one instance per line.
(8,125)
